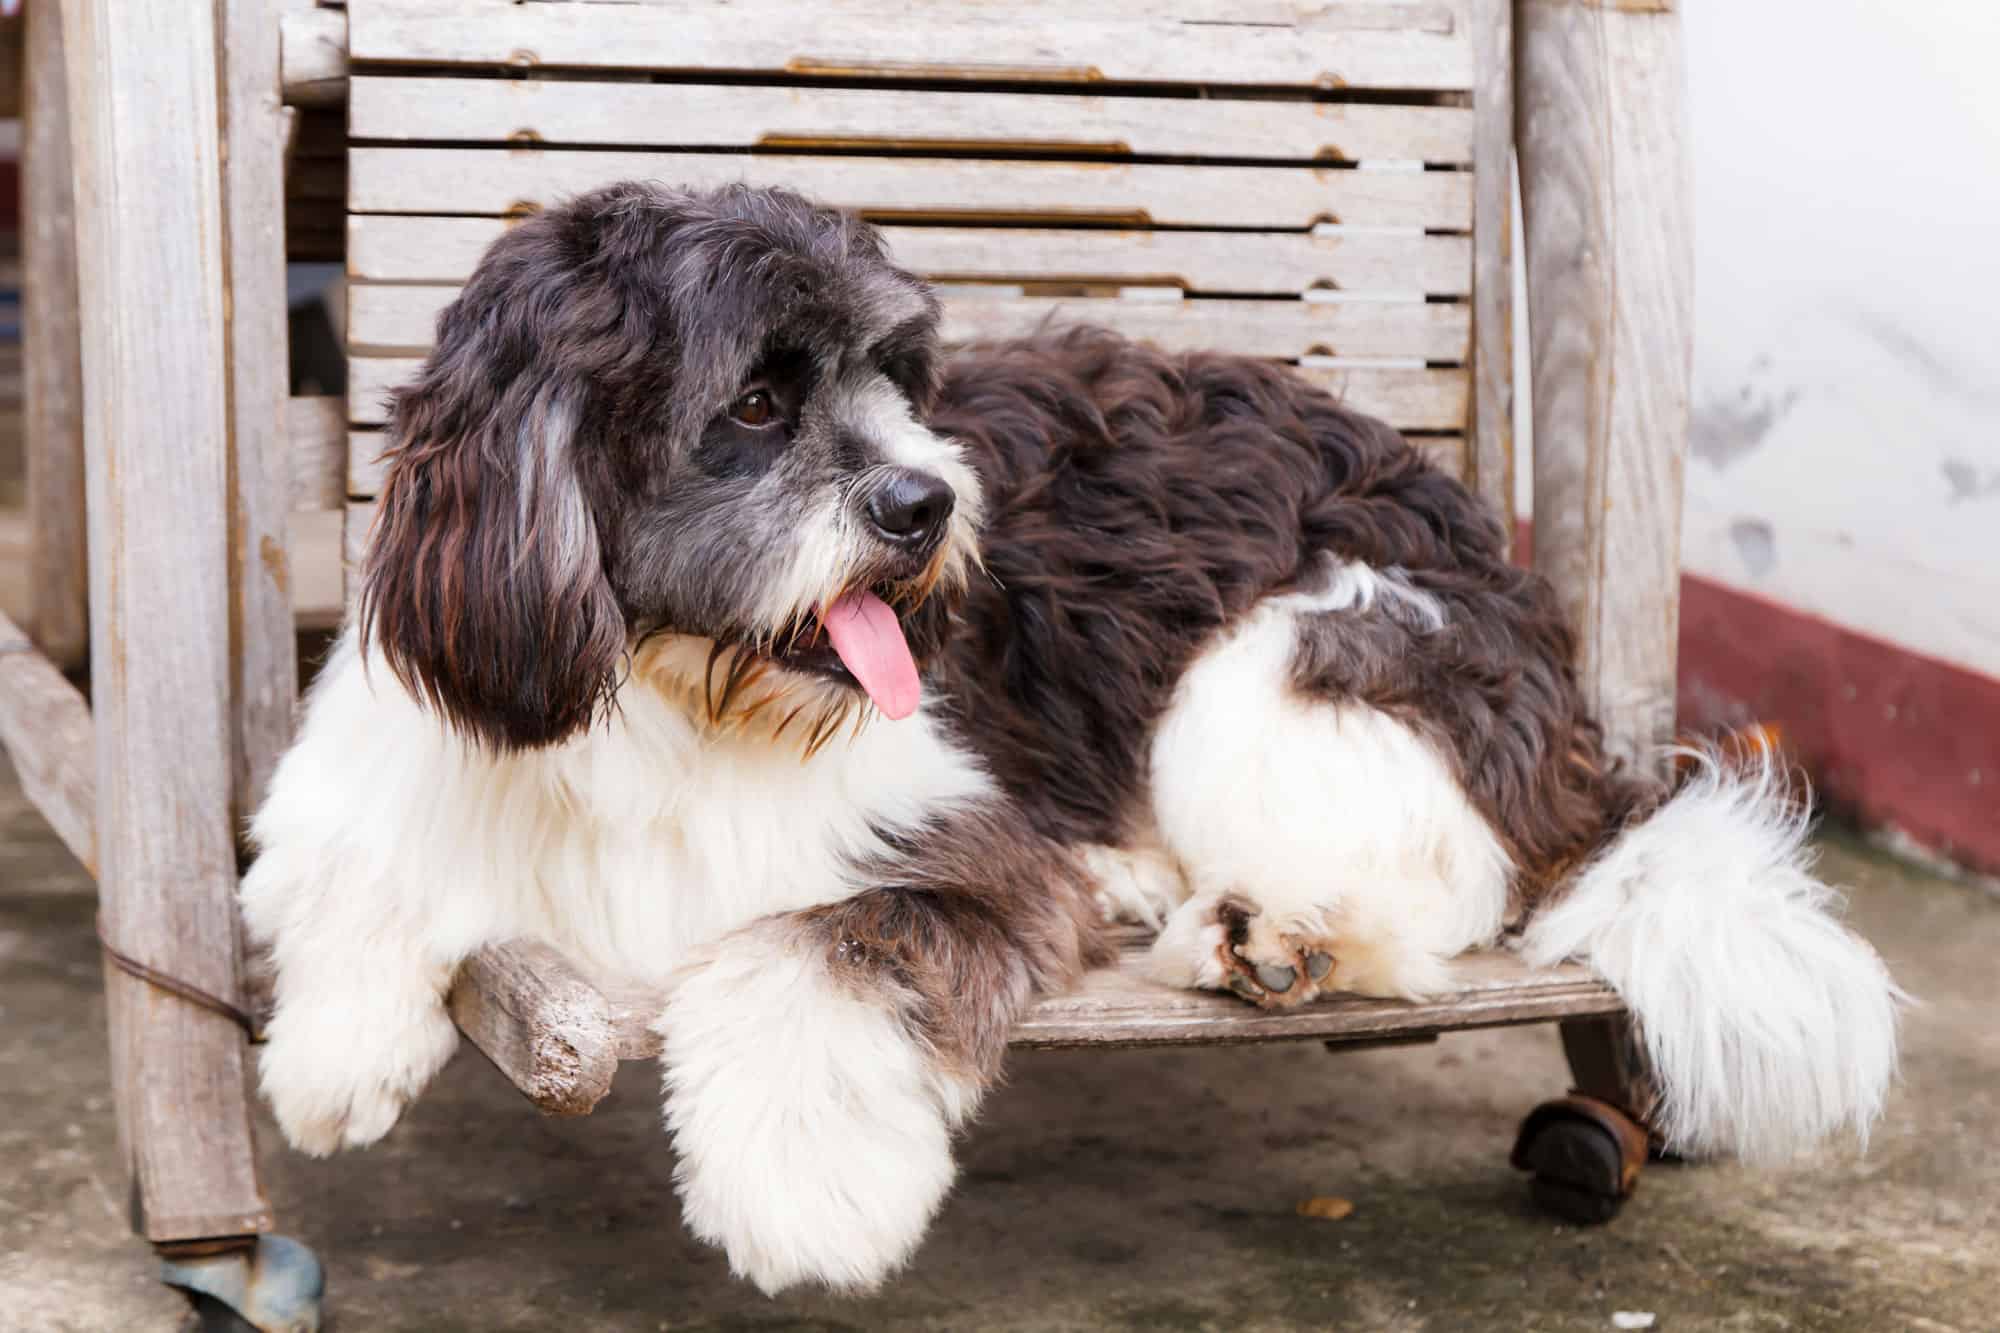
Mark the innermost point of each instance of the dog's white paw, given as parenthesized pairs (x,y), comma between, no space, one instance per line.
(335,1083)
(814,1132)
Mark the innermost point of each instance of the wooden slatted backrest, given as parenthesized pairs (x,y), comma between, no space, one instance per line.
(1322,182)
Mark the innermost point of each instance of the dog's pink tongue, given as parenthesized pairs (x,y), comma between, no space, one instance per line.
(870,643)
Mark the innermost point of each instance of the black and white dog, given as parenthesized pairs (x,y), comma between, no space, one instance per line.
(721,632)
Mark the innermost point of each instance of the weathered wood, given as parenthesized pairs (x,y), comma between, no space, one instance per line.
(445,250)
(315,545)
(354,535)
(263,657)
(145,137)
(385,320)
(541,1024)
(1342,44)
(497,181)
(681,115)
(1605,198)
(45,726)
(313,56)
(558,1038)
(1409,399)
(365,467)
(1491,460)
(1604,180)
(58,561)
(316,428)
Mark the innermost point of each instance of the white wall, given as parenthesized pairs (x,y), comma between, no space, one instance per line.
(1846,444)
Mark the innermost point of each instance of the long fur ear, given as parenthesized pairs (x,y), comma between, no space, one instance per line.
(484,584)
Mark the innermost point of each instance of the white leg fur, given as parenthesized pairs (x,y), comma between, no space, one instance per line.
(1139,884)
(1336,821)
(814,1131)
(1769,1024)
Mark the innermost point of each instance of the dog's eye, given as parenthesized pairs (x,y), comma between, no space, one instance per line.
(753,409)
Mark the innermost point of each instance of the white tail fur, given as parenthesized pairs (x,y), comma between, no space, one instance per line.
(1769,1024)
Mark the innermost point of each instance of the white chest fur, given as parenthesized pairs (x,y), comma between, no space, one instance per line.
(627,846)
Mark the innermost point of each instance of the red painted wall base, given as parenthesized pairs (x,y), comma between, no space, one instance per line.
(1891,738)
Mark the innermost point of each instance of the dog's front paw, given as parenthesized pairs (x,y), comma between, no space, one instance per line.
(814,1132)
(338,1084)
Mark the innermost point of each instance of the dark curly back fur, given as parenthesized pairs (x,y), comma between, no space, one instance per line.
(1140,502)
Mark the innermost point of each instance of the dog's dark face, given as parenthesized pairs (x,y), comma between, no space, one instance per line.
(654,417)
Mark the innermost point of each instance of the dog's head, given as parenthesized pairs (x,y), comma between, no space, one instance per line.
(662,418)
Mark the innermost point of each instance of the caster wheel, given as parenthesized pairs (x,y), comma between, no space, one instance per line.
(271,1285)
(1584,1156)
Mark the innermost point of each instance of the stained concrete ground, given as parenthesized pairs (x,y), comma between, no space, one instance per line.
(1122,1190)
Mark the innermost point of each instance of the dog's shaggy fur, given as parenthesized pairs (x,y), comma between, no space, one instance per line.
(1200,647)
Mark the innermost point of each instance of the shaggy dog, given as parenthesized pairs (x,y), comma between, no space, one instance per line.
(720,631)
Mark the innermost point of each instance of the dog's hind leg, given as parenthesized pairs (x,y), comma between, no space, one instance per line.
(1327,842)
(817,1062)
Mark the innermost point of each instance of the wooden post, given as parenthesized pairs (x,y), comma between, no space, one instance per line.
(1490,451)
(1605,198)
(263,658)
(145,136)
(58,573)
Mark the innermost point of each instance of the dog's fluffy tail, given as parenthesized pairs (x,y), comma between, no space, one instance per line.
(1768,1023)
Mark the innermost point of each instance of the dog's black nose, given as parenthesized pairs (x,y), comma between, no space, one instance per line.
(909,508)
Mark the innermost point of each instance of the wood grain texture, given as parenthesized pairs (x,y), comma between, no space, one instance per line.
(45,726)
(1341,44)
(1409,399)
(315,542)
(365,466)
(445,249)
(263,656)
(1606,204)
(541,1024)
(316,434)
(545,1026)
(684,115)
(52,366)
(313,56)
(145,137)
(1605,194)
(499,181)
(1491,460)
(388,320)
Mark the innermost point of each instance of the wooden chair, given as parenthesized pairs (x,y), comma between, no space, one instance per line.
(1324,183)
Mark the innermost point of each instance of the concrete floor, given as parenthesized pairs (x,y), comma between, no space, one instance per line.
(1101,1191)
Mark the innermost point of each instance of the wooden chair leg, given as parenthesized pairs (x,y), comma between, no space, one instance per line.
(1584,1151)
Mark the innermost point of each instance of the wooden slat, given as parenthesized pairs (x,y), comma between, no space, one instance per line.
(365,468)
(315,545)
(1426,400)
(1251,328)
(52,367)
(445,249)
(558,1038)
(316,428)
(45,726)
(145,121)
(1491,470)
(264,673)
(1327,43)
(1604,176)
(497,181)
(1408,399)
(403,319)
(679,115)
(313,56)
(1118,1007)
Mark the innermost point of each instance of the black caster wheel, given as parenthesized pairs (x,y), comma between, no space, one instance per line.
(1584,1157)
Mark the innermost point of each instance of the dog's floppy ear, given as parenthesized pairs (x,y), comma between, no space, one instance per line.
(484,584)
